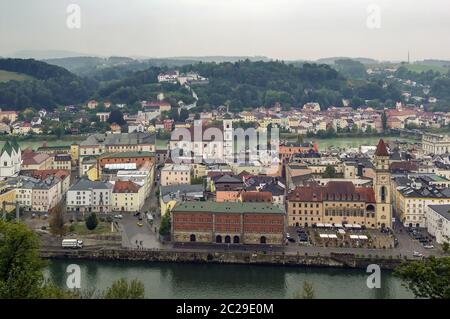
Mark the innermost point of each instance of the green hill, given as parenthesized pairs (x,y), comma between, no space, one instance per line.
(49,86)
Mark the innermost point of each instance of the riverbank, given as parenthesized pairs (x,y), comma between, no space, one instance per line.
(335,260)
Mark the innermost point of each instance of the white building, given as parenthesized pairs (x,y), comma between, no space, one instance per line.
(438,222)
(89,196)
(10,159)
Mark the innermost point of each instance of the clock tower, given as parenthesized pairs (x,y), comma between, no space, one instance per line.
(382,187)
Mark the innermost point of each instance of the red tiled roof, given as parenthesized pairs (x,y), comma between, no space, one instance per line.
(306,194)
(125,187)
(333,191)
(30,157)
(43,174)
(381,149)
(405,166)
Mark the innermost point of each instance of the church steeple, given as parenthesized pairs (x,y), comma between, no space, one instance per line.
(381,149)
(381,186)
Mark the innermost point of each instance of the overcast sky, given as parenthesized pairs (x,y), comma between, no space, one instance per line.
(284,29)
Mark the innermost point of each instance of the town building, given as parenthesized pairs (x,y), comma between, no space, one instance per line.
(229,223)
(438,222)
(169,196)
(127,196)
(340,202)
(98,144)
(62,161)
(174,174)
(46,194)
(32,160)
(10,159)
(89,196)
(435,143)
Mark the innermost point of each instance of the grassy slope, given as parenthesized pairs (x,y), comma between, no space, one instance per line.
(412,67)
(6,76)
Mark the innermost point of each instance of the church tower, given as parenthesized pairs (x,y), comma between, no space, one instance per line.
(382,187)
(228,141)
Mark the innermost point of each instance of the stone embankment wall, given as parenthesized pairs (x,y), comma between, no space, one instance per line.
(278,258)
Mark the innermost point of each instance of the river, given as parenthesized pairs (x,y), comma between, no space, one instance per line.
(172,280)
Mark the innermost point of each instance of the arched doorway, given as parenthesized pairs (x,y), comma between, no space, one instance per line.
(236,240)
(192,237)
(306,224)
(218,239)
(370,208)
(227,239)
(296,224)
(263,240)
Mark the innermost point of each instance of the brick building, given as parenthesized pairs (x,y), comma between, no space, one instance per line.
(139,158)
(233,223)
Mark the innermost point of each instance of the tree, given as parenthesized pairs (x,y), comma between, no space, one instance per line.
(330,172)
(184,114)
(307,293)
(56,222)
(384,120)
(21,269)
(164,228)
(92,221)
(121,289)
(308,290)
(445,247)
(429,278)
(116,116)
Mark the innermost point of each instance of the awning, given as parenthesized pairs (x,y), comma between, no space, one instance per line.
(328,225)
(323,235)
(348,226)
(341,231)
(319,225)
(363,237)
(356,226)
(332,236)
(354,237)
(338,225)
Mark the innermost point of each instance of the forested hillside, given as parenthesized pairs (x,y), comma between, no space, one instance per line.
(242,84)
(50,87)
(251,84)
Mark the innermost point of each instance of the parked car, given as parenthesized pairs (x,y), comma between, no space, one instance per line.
(428,246)
(290,239)
(118,216)
(140,224)
(417,254)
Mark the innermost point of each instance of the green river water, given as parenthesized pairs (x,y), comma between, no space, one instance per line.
(172,280)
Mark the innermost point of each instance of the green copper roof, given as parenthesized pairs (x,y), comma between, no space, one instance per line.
(9,146)
(209,206)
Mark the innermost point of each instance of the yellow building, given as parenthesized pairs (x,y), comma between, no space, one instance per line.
(410,203)
(7,195)
(127,196)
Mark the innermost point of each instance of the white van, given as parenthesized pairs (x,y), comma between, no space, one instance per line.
(72,243)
